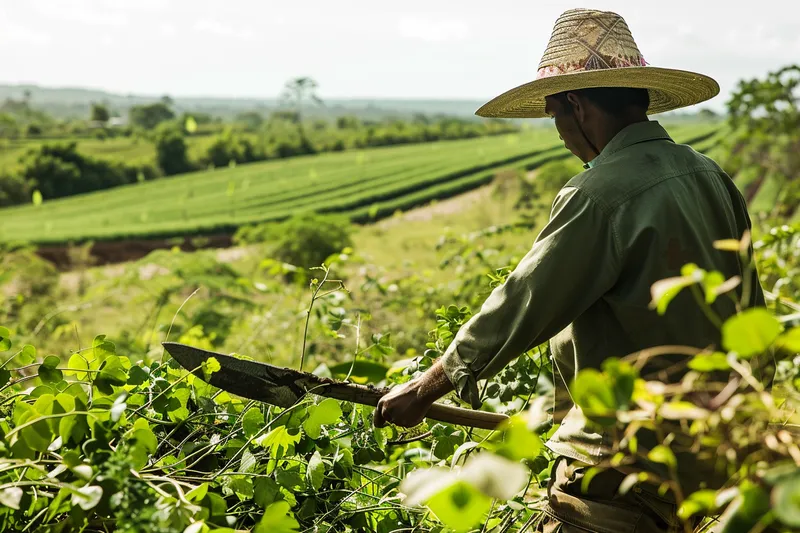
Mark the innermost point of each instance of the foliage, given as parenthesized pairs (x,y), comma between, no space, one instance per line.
(231,148)
(171,150)
(305,240)
(764,115)
(99,113)
(553,175)
(59,170)
(149,116)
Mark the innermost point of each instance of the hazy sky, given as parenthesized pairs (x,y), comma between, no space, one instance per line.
(363,48)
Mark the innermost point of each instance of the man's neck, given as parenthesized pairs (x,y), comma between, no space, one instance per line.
(610,128)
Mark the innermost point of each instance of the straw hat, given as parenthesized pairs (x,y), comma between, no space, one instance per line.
(590,48)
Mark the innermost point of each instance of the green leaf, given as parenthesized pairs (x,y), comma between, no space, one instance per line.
(750,332)
(209,366)
(515,441)
(327,412)
(460,506)
(664,291)
(11,497)
(48,371)
(248,462)
(662,454)
(595,396)
(5,376)
(112,374)
(786,500)
(178,399)
(252,421)
(700,502)
(316,471)
(76,363)
(709,362)
(678,410)
(5,339)
(28,354)
(101,348)
(197,493)
(362,371)
(242,487)
(277,518)
(279,441)
(265,491)
(36,198)
(790,340)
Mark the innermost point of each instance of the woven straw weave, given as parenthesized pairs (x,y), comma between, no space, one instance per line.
(590,48)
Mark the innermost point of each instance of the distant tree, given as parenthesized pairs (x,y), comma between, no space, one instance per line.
(252,120)
(150,115)
(171,150)
(100,113)
(167,100)
(298,94)
(764,116)
(347,122)
(708,114)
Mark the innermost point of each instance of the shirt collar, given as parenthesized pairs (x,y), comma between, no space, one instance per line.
(628,136)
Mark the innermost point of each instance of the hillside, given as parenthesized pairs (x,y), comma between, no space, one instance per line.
(75,102)
(363,185)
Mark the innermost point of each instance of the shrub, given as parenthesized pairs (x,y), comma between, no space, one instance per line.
(305,240)
(553,175)
(171,150)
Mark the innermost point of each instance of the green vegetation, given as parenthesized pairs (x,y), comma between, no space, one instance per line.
(365,185)
(115,437)
(107,433)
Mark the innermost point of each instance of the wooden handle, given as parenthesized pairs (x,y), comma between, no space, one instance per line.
(353,392)
(465,417)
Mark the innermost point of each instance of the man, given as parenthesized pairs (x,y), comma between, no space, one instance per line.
(642,209)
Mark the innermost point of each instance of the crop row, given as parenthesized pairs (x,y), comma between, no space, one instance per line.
(361,184)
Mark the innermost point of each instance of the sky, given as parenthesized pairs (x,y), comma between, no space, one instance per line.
(454,49)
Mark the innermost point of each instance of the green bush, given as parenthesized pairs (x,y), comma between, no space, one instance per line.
(59,170)
(171,150)
(304,240)
(229,147)
(554,175)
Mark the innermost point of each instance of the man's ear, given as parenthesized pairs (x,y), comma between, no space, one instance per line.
(578,106)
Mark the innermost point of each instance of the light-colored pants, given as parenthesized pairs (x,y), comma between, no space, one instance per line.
(601,509)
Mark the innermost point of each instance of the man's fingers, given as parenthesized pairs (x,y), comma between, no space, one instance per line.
(377,420)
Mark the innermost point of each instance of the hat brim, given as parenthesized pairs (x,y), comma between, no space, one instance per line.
(669,89)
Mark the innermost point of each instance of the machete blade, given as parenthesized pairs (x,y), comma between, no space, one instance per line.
(250,379)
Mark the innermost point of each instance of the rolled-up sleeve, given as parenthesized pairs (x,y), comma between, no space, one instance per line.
(573,262)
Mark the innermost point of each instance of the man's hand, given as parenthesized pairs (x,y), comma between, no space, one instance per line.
(407,404)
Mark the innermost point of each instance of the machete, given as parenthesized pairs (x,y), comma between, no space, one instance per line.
(283,387)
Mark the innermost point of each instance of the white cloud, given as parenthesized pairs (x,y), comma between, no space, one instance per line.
(217,28)
(80,11)
(15,33)
(432,30)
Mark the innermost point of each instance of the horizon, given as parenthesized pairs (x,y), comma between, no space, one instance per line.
(359,51)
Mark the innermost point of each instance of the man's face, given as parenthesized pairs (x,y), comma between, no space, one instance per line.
(566,117)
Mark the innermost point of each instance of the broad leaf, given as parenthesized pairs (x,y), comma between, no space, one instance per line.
(277,518)
(48,371)
(5,339)
(709,362)
(252,421)
(786,500)
(316,471)
(750,332)
(326,412)
(460,506)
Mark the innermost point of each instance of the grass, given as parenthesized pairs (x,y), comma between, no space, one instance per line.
(362,184)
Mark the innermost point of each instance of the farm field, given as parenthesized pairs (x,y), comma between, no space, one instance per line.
(363,185)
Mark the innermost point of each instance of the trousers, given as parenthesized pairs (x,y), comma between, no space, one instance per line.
(600,509)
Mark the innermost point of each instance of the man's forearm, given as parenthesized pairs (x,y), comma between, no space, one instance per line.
(433,383)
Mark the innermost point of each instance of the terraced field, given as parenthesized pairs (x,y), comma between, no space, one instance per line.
(364,185)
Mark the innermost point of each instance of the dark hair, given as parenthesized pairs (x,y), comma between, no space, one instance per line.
(612,100)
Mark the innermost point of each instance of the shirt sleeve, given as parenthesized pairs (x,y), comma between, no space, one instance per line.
(573,262)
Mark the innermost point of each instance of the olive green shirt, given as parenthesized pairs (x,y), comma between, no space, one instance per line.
(641,210)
